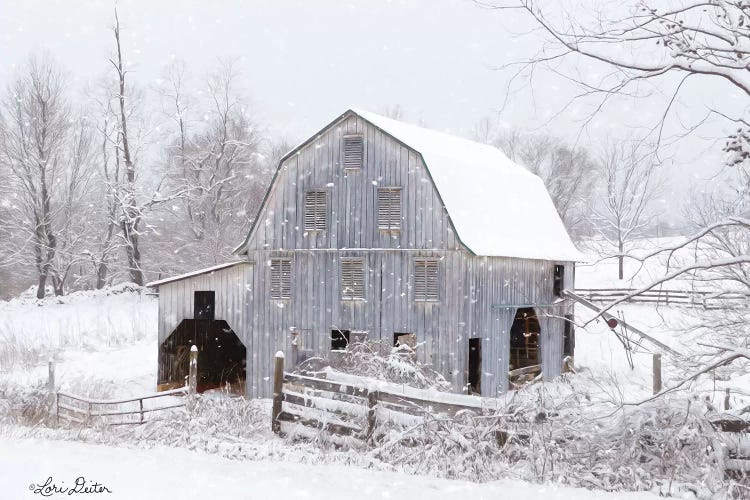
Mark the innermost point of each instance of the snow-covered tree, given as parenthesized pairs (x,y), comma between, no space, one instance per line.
(45,154)
(630,183)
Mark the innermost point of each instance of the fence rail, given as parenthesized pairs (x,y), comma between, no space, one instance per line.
(701,298)
(81,410)
(343,410)
(85,411)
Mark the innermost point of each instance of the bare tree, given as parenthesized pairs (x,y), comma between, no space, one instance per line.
(569,173)
(131,214)
(631,183)
(47,159)
(217,162)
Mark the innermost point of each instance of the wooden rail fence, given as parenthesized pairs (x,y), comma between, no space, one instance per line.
(308,405)
(86,411)
(700,298)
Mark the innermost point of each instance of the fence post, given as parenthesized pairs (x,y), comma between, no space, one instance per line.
(657,373)
(372,402)
(192,377)
(51,397)
(278,386)
(726,398)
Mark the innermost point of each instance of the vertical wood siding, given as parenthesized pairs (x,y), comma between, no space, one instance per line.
(477,295)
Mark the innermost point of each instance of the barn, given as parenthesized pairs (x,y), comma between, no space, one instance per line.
(378,229)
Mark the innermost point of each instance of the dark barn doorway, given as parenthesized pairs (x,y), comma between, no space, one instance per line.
(475,366)
(221,356)
(524,339)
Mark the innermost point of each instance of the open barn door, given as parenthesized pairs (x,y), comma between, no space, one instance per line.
(221,356)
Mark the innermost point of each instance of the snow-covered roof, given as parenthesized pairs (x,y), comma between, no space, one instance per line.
(498,208)
(196,273)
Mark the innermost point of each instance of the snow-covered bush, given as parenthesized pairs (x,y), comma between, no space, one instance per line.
(555,435)
(380,360)
(20,405)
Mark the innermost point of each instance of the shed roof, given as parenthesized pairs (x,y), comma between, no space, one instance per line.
(206,270)
(498,208)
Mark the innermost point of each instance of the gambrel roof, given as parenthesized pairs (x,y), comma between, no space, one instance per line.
(497,207)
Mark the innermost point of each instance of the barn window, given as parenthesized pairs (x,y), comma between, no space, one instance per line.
(557,283)
(402,338)
(315,210)
(389,209)
(352,278)
(339,339)
(281,278)
(204,304)
(354,148)
(426,280)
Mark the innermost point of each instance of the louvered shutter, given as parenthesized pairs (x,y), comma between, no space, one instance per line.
(354,148)
(389,208)
(426,280)
(315,210)
(352,278)
(281,278)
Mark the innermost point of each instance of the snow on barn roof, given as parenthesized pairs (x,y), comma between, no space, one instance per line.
(206,270)
(498,208)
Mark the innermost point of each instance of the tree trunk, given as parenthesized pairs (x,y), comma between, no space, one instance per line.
(41,284)
(620,260)
(132,213)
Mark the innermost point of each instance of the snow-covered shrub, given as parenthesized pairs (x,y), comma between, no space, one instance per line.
(380,360)
(27,406)
(558,436)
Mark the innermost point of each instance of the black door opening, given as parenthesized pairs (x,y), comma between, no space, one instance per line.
(221,356)
(475,366)
(524,339)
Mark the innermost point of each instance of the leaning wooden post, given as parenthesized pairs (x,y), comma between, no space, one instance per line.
(657,373)
(51,396)
(278,386)
(193,377)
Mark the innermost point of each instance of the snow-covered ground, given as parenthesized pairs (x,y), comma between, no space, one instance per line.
(163,473)
(104,344)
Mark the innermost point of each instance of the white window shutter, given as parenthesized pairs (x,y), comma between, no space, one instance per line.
(281,278)
(354,151)
(315,210)
(426,283)
(389,208)
(352,278)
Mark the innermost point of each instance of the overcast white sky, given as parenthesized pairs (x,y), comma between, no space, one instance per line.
(305,62)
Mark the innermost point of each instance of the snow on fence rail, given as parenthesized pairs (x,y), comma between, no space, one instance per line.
(85,411)
(350,414)
(81,410)
(702,298)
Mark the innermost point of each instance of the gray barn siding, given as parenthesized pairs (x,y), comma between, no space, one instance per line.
(473,293)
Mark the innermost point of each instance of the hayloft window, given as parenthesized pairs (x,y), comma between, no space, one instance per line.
(389,209)
(354,149)
(204,304)
(315,210)
(339,339)
(281,278)
(557,282)
(426,280)
(352,278)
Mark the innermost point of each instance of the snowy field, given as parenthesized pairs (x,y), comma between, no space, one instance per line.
(174,473)
(104,344)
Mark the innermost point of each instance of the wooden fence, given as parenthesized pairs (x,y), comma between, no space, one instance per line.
(344,411)
(86,411)
(700,298)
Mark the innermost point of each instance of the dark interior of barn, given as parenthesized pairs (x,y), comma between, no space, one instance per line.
(524,339)
(221,356)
